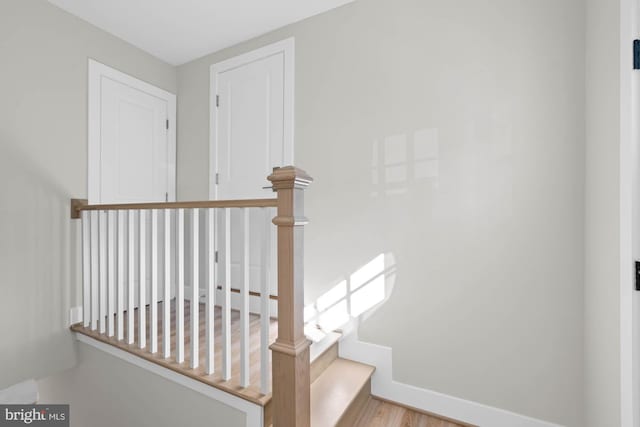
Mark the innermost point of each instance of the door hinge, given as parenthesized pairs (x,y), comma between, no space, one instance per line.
(166,197)
(167,123)
(215,256)
(217,100)
(636,54)
(217,178)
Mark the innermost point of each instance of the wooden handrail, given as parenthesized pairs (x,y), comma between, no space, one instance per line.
(79,205)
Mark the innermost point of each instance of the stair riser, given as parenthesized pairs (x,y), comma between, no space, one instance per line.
(354,410)
(323,361)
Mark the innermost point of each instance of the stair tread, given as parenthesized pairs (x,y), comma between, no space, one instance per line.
(335,389)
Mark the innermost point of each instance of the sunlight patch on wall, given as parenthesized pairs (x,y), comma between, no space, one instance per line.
(334,295)
(368,296)
(368,272)
(334,317)
(366,288)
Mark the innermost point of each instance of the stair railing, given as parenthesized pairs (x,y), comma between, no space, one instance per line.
(134,263)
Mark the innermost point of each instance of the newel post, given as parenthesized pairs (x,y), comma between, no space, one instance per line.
(290,352)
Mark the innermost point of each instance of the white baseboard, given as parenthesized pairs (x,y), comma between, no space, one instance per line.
(24,393)
(254,417)
(383,385)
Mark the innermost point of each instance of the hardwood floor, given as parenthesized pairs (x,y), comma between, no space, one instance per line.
(252,393)
(384,414)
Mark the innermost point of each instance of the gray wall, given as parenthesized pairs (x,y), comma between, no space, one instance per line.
(104,391)
(489,243)
(602,221)
(43,163)
(487,233)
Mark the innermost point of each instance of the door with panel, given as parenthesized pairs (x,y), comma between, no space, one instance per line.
(250,139)
(131,157)
(134,146)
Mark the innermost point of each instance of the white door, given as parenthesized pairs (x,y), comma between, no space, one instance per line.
(250,127)
(252,132)
(131,146)
(134,145)
(131,139)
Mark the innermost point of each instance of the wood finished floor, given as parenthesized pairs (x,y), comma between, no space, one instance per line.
(252,393)
(383,414)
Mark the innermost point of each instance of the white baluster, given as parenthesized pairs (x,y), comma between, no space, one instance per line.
(142,295)
(211,291)
(166,304)
(244,302)
(95,268)
(265,315)
(131,283)
(180,291)
(103,271)
(195,288)
(154,281)
(120,327)
(111,272)
(86,268)
(226,299)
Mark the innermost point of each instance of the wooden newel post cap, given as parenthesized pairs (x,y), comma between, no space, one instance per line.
(289,177)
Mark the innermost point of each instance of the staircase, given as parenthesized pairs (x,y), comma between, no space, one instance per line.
(134,261)
(340,388)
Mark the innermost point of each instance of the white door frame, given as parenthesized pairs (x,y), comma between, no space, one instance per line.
(287,47)
(97,71)
(629,218)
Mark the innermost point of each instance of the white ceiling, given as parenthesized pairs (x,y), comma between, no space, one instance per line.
(179,31)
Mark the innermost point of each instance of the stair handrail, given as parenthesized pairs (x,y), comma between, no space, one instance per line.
(79,205)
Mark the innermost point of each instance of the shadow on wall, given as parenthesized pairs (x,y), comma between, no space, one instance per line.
(37,272)
(354,298)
